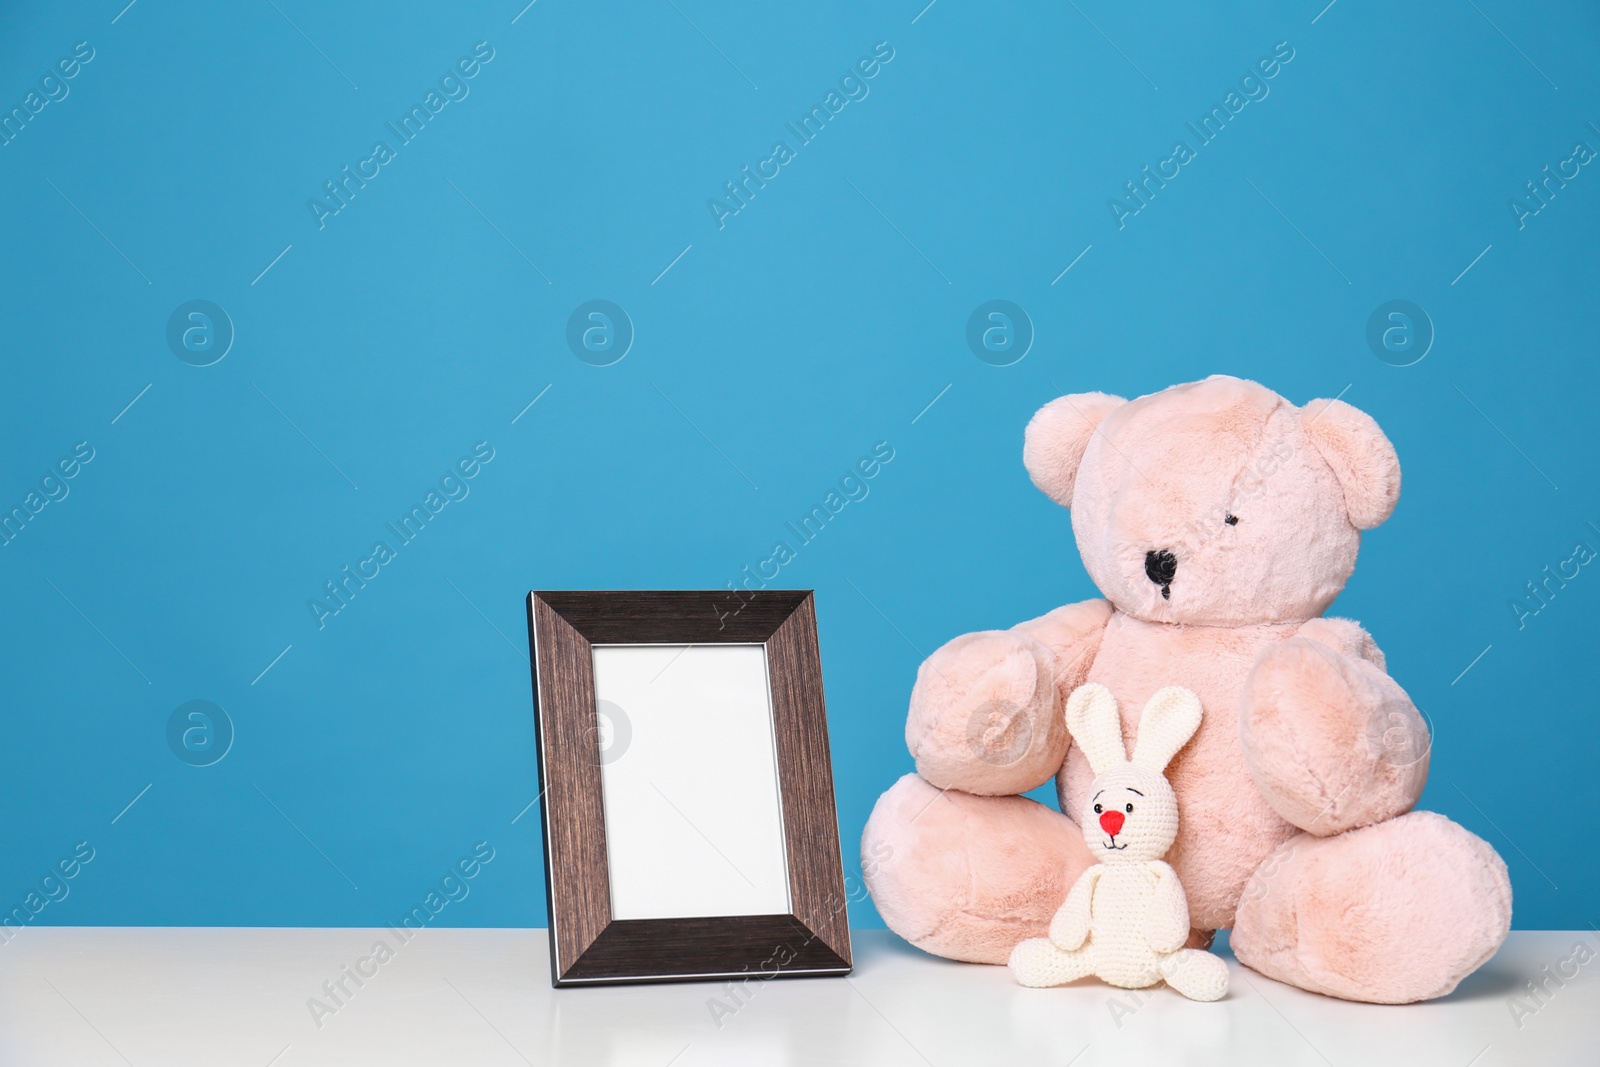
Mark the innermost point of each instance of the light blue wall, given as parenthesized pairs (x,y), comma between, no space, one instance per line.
(821,319)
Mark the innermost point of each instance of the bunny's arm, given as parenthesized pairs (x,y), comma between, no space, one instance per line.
(1070,928)
(1166,924)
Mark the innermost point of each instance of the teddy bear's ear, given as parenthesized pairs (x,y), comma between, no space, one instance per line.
(1056,439)
(1169,719)
(1362,459)
(1096,727)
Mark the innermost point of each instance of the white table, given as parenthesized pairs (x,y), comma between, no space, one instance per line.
(146,996)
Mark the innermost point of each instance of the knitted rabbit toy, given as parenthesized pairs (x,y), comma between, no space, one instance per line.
(1126,919)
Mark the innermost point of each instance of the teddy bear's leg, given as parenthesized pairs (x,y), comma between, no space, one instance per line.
(1392,913)
(1330,739)
(964,876)
(1039,964)
(1197,975)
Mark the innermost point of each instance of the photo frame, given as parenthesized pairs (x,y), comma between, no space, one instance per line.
(686,787)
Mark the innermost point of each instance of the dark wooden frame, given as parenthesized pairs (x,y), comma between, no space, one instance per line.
(588,946)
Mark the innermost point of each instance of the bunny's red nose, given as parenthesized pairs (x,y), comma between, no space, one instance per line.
(1111,822)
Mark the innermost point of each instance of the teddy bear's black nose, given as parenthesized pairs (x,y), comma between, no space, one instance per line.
(1160,566)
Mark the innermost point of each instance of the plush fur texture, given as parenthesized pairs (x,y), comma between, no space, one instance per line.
(973,875)
(1012,737)
(1391,913)
(1360,457)
(1306,742)
(1297,724)
(1057,436)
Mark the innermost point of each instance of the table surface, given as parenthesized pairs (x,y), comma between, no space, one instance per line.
(89,996)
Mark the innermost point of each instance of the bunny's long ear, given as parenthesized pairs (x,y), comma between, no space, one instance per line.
(1095,725)
(1169,719)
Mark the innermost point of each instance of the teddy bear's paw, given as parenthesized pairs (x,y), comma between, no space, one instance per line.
(1389,914)
(1331,740)
(968,877)
(984,717)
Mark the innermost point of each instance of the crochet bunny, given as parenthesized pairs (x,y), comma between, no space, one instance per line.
(1126,919)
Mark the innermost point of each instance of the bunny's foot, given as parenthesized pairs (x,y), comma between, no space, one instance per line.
(1389,914)
(1038,963)
(1197,975)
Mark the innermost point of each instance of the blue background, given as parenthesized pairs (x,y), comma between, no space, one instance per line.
(769,357)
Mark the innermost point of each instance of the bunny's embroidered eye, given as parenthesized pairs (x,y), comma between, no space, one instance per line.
(1098,809)
(1231,520)
(1128,809)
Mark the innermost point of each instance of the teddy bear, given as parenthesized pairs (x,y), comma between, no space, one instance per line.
(1219,521)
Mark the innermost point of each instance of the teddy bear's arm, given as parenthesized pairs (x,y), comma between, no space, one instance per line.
(1331,740)
(1166,924)
(1072,633)
(985,713)
(1070,928)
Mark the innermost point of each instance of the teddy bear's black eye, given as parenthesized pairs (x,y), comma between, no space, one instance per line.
(1129,809)
(1098,809)
(1231,520)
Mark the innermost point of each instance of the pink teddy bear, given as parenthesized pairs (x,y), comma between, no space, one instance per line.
(1219,521)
